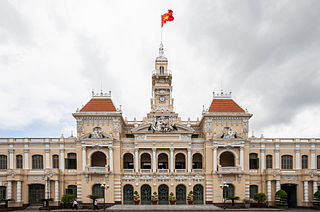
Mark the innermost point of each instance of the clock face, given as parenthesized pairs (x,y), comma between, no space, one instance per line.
(162,98)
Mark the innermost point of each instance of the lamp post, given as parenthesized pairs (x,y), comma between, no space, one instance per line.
(224,198)
(104,187)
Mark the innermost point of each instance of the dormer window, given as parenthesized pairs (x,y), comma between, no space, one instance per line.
(161,70)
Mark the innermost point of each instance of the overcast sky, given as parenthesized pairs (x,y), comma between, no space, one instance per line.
(54,53)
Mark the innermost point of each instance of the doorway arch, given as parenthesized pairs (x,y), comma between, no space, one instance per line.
(227,159)
(181,194)
(198,194)
(98,159)
(145,194)
(128,195)
(163,194)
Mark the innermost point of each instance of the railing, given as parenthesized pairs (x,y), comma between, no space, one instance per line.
(180,171)
(128,170)
(97,169)
(163,170)
(145,170)
(229,169)
(197,170)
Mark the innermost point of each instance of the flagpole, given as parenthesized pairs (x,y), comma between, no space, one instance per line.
(161,28)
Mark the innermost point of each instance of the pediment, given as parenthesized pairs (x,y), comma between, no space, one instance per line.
(228,134)
(174,128)
(96,133)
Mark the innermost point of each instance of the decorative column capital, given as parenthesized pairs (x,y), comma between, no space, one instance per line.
(171,149)
(154,149)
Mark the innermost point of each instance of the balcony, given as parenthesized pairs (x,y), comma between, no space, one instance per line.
(97,169)
(128,170)
(197,170)
(145,170)
(229,169)
(180,170)
(163,170)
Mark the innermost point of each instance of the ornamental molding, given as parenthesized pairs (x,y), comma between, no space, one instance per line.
(181,178)
(97,133)
(128,178)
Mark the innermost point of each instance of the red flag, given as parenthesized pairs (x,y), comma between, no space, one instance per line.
(166,17)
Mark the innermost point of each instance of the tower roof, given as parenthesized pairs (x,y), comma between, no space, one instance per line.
(223,103)
(100,103)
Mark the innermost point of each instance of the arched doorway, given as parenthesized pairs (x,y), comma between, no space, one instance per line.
(36,194)
(227,159)
(128,195)
(228,191)
(198,194)
(145,195)
(291,190)
(163,194)
(128,161)
(181,194)
(98,159)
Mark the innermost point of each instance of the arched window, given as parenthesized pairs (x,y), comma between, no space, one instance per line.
(253,190)
(286,162)
(97,190)
(98,159)
(228,191)
(227,159)
(304,162)
(3,162)
(72,189)
(128,161)
(3,192)
(71,161)
(161,70)
(318,162)
(197,161)
(253,161)
(37,162)
(55,161)
(180,161)
(269,162)
(163,161)
(145,161)
(19,162)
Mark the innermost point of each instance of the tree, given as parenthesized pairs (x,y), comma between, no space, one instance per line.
(260,197)
(316,198)
(233,198)
(281,198)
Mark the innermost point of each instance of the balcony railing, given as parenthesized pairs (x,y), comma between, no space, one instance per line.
(163,170)
(229,169)
(197,170)
(128,170)
(97,169)
(145,170)
(180,171)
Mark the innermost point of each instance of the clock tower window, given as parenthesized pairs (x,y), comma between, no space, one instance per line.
(161,70)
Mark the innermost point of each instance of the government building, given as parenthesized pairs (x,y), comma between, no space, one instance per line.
(160,153)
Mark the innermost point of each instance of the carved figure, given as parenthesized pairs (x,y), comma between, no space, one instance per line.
(161,124)
(97,133)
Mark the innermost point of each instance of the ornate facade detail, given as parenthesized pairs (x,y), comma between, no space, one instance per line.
(162,124)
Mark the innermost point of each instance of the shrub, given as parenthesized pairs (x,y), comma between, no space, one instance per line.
(136,196)
(316,197)
(233,198)
(281,198)
(154,197)
(190,196)
(172,197)
(260,197)
(67,198)
(93,197)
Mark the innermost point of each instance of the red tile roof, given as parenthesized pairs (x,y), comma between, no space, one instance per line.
(99,105)
(225,106)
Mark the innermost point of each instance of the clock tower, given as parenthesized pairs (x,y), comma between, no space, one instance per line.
(161,100)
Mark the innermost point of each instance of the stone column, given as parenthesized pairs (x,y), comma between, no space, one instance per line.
(315,186)
(136,159)
(215,159)
(11,158)
(262,160)
(277,159)
(56,190)
(111,158)
(298,159)
(269,190)
(189,159)
(18,191)
(171,160)
(26,159)
(278,186)
(154,160)
(62,160)
(47,194)
(313,159)
(84,158)
(9,189)
(241,158)
(306,191)
(47,158)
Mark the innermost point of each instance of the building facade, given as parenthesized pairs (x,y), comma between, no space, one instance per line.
(160,154)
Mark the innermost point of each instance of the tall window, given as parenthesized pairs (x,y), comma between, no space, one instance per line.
(97,190)
(72,189)
(19,161)
(253,161)
(128,161)
(161,70)
(3,162)
(3,191)
(37,162)
(253,190)
(304,161)
(55,161)
(228,191)
(318,162)
(71,161)
(269,162)
(197,161)
(286,162)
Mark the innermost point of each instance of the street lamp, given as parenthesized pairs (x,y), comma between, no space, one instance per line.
(104,187)
(224,198)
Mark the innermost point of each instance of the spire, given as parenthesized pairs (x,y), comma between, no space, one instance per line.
(161,54)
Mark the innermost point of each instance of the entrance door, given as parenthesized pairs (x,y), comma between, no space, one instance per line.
(291,190)
(181,195)
(128,195)
(198,194)
(163,193)
(145,195)
(36,194)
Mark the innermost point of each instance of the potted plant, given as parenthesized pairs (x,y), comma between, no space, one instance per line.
(233,198)
(172,199)
(281,199)
(136,198)
(154,198)
(260,198)
(93,197)
(67,200)
(316,199)
(190,198)
(246,202)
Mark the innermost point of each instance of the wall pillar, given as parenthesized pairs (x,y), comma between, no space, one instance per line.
(241,158)
(26,159)
(18,191)
(9,189)
(154,169)
(47,194)
(269,190)
(171,160)
(315,186)
(278,186)
(215,159)
(111,158)
(189,159)
(56,190)
(84,158)
(47,158)
(262,160)
(298,159)
(62,160)
(136,159)
(277,159)
(11,158)
(313,159)
(306,191)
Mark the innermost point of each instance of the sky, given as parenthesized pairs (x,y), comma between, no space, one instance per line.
(54,53)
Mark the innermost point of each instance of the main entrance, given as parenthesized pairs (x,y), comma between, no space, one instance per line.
(36,194)
(128,195)
(198,194)
(181,194)
(163,193)
(145,195)
(291,190)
